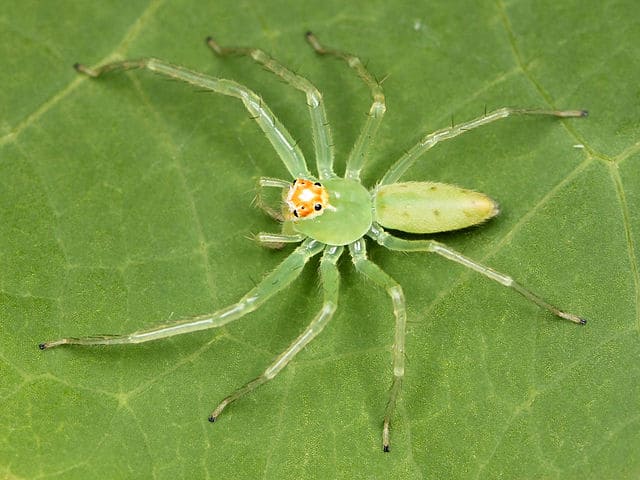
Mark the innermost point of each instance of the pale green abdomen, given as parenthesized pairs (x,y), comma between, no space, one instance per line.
(430,207)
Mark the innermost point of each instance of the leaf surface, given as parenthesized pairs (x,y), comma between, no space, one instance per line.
(127,201)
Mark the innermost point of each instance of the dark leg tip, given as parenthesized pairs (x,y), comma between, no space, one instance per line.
(583,321)
(212,418)
(213,45)
(313,41)
(77,67)
(386,449)
(584,113)
(42,346)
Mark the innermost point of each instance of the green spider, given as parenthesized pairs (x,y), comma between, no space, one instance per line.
(327,213)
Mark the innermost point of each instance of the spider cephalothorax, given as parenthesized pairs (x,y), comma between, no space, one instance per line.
(335,214)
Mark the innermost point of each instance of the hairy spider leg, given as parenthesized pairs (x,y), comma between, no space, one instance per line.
(277,240)
(276,280)
(322,142)
(280,138)
(408,159)
(360,150)
(377,275)
(399,244)
(330,281)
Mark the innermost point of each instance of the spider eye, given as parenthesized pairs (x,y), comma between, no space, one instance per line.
(294,181)
(317,207)
(317,184)
(295,213)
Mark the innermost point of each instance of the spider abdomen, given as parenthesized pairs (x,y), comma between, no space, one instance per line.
(430,207)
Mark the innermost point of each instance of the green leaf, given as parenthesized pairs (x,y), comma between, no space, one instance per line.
(127,201)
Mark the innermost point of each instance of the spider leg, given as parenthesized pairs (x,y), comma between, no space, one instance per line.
(275,281)
(409,158)
(278,240)
(358,154)
(280,138)
(330,278)
(378,276)
(400,244)
(319,124)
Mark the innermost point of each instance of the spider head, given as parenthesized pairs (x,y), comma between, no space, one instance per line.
(307,199)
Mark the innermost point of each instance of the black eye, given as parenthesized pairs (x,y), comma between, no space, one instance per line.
(318,207)
(318,184)
(294,182)
(295,213)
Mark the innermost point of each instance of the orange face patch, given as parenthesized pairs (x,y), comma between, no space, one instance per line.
(307,199)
